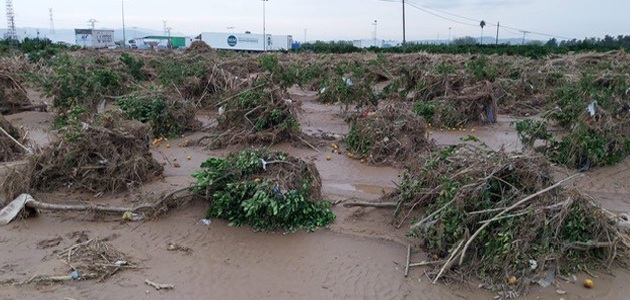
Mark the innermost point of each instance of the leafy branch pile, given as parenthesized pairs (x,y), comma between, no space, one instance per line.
(595,113)
(495,216)
(103,156)
(167,115)
(266,190)
(387,136)
(262,114)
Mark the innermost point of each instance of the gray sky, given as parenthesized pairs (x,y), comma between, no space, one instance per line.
(337,19)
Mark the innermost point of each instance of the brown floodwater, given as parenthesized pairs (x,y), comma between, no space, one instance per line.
(361,256)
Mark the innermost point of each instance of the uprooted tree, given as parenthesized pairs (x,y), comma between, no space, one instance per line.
(388,135)
(595,113)
(493,216)
(266,190)
(260,115)
(168,115)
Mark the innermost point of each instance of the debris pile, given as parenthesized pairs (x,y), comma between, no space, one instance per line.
(9,149)
(496,216)
(261,115)
(266,190)
(94,158)
(94,259)
(389,135)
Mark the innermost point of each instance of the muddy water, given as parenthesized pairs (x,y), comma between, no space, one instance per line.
(361,256)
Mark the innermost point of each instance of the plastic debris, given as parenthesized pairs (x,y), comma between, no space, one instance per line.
(533,264)
(206,222)
(75,275)
(591,108)
(548,279)
(120,263)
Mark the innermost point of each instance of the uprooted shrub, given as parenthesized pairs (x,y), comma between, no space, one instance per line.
(494,215)
(476,104)
(105,156)
(77,81)
(194,79)
(260,115)
(9,150)
(168,115)
(266,190)
(595,113)
(387,136)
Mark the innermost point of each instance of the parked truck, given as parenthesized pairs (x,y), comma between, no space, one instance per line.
(247,41)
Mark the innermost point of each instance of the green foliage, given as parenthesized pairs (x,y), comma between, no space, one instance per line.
(529,131)
(176,73)
(134,66)
(77,81)
(591,140)
(347,91)
(425,110)
(265,204)
(482,69)
(168,118)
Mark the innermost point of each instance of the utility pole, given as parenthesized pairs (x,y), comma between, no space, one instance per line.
(92,23)
(305,35)
(375,30)
(449,35)
(11,33)
(404,24)
(264,25)
(168,31)
(498,26)
(524,33)
(122,2)
(164,22)
(52,24)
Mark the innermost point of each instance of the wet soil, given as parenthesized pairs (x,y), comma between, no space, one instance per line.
(361,256)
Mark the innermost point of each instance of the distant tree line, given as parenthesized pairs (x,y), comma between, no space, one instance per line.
(470,45)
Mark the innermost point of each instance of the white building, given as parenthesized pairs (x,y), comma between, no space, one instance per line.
(367,43)
(93,38)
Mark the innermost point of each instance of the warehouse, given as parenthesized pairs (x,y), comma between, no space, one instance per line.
(93,38)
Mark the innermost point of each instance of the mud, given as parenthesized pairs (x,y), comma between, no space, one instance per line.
(361,256)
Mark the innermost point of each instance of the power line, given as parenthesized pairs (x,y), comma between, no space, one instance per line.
(434,12)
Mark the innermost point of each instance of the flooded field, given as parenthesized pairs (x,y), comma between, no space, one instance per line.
(361,255)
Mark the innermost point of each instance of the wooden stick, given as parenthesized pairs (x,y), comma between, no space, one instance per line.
(29,151)
(429,217)
(408,259)
(449,262)
(159,286)
(372,204)
(507,210)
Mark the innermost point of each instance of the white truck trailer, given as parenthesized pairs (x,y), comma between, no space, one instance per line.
(93,38)
(247,41)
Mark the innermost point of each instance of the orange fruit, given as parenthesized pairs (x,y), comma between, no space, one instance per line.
(328,157)
(588,283)
(512,280)
(257,180)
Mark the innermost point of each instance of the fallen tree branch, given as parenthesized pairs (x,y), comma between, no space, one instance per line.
(507,210)
(408,259)
(159,286)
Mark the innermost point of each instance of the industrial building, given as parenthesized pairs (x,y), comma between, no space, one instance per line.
(247,41)
(94,38)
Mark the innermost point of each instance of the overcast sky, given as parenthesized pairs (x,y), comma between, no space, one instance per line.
(338,19)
